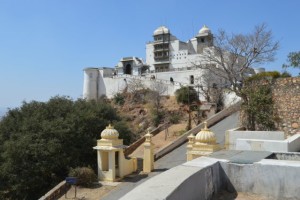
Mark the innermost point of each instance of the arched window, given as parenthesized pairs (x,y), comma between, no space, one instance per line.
(128,69)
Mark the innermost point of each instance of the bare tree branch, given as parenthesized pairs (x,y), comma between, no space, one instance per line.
(233,55)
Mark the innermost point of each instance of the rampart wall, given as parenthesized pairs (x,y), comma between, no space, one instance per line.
(286,96)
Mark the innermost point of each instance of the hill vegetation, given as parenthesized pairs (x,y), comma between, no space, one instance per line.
(40,142)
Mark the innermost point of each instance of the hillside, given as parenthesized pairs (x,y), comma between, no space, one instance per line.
(141,116)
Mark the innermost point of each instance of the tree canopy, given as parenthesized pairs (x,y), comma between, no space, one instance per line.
(41,141)
(186,95)
(293,59)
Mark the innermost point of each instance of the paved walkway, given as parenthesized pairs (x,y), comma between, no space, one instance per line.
(176,157)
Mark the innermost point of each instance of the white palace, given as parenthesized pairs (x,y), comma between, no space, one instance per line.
(168,61)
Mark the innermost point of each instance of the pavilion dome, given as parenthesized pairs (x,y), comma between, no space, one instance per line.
(204,30)
(109,133)
(205,136)
(161,30)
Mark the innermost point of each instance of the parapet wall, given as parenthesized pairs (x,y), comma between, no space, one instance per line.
(286,96)
(292,144)
(231,136)
(205,177)
(274,179)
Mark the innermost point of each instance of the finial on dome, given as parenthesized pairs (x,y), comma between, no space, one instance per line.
(109,126)
(205,135)
(205,126)
(148,136)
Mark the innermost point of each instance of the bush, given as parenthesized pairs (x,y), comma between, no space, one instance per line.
(264,75)
(186,95)
(259,109)
(268,75)
(157,116)
(175,118)
(285,74)
(119,99)
(86,175)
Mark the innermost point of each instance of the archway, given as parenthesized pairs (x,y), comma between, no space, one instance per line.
(128,69)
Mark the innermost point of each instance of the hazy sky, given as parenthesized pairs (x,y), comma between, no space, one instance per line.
(45,44)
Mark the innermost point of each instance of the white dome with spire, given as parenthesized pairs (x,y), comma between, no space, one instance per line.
(206,136)
(161,30)
(109,133)
(204,30)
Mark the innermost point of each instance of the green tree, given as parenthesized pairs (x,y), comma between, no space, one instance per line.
(293,60)
(40,142)
(259,109)
(187,96)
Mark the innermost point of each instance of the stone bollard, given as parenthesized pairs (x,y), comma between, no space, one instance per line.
(148,162)
(189,147)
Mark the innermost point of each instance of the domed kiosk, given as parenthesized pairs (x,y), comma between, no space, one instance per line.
(204,143)
(112,164)
(204,30)
(161,30)
(204,39)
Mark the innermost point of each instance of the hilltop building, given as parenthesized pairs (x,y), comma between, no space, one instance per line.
(168,61)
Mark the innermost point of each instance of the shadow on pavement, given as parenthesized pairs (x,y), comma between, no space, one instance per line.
(160,170)
(135,178)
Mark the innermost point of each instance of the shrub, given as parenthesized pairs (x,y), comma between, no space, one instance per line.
(186,95)
(175,118)
(86,175)
(285,74)
(119,99)
(268,75)
(259,109)
(157,116)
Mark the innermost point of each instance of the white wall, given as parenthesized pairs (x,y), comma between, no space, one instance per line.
(291,144)
(90,83)
(231,136)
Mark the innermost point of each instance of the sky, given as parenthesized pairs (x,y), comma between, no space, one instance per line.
(46,44)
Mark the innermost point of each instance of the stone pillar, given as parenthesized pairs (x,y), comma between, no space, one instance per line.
(189,155)
(112,165)
(99,164)
(148,162)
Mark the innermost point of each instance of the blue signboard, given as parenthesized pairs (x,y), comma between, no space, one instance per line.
(71,180)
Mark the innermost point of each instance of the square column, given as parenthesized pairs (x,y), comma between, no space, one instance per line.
(112,166)
(148,162)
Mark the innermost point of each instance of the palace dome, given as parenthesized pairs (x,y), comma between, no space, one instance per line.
(161,30)
(109,133)
(205,136)
(204,30)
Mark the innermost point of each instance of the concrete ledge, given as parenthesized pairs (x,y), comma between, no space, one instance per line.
(291,144)
(179,182)
(205,177)
(231,136)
